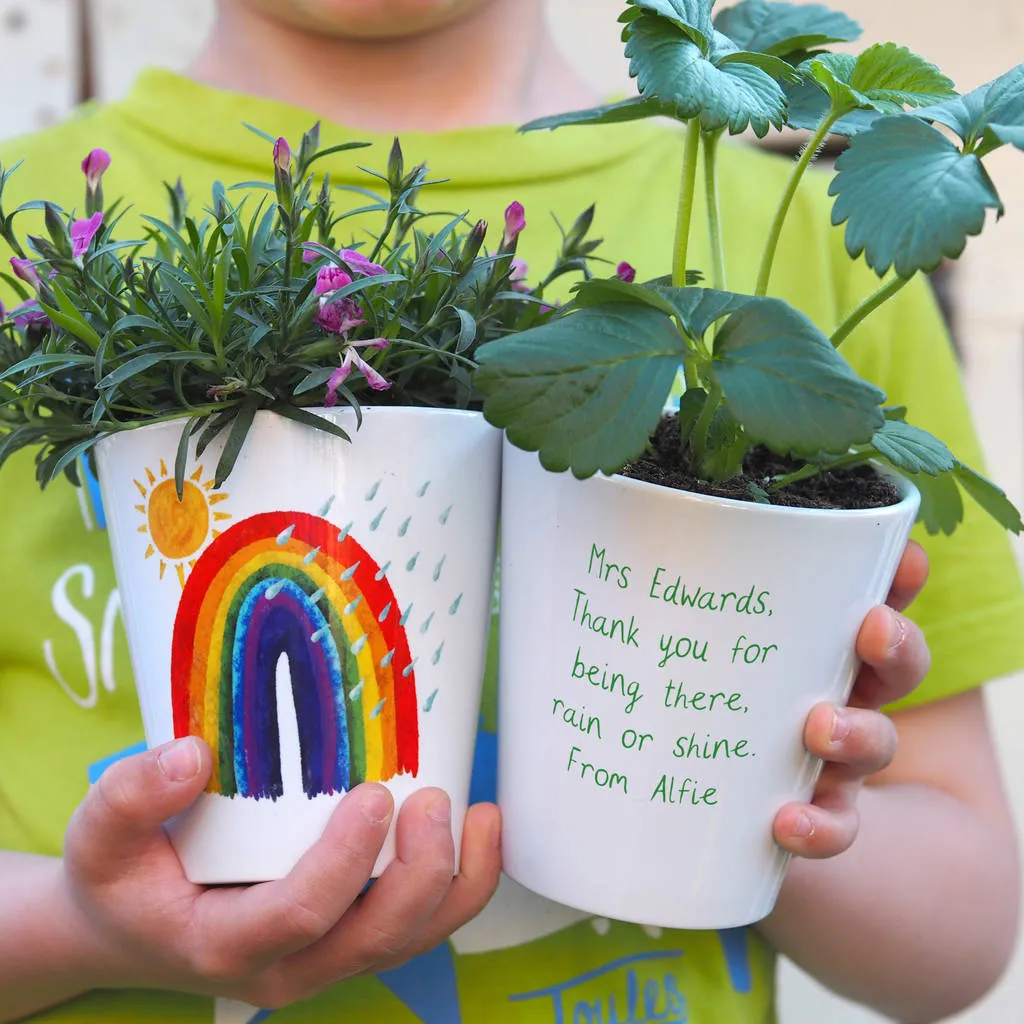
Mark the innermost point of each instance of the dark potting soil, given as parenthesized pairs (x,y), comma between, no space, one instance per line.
(855,487)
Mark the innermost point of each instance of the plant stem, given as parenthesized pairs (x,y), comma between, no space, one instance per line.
(687,186)
(711,140)
(809,153)
(866,308)
(701,429)
(812,469)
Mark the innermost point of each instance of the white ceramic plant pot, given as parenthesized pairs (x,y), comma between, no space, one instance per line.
(320,620)
(660,651)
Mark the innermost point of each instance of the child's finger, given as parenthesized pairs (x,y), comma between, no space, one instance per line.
(243,929)
(479,871)
(387,919)
(911,576)
(895,656)
(863,742)
(124,811)
(818,831)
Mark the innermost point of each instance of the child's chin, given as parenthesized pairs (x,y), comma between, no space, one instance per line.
(369,19)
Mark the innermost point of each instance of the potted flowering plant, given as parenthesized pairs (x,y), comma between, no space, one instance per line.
(300,490)
(678,637)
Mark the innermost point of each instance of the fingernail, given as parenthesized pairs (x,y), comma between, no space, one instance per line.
(440,811)
(377,805)
(495,836)
(897,631)
(840,726)
(180,761)
(803,827)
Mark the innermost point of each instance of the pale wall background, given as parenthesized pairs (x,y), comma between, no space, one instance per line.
(42,78)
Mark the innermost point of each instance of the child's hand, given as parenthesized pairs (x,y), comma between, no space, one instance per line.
(858,740)
(278,942)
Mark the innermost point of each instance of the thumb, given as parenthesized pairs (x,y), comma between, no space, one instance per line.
(124,810)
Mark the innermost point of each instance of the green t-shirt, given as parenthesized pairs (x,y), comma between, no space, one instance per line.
(66,697)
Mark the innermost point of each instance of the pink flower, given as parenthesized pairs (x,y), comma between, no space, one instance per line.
(353,361)
(282,155)
(340,317)
(26,271)
(520,270)
(84,231)
(330,279)
(94,166)
(28,314)
(359,264)
(309,255)
(624,272)
(515,222)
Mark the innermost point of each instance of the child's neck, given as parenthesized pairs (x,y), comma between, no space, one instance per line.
(497,66)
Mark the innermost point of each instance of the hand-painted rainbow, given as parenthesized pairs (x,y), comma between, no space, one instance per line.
(286,583)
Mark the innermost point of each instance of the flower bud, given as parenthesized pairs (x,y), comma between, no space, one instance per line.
(624,272)
(472,246)
(26,271)
(94,166)
(396,167)
(283,156)
(515,222)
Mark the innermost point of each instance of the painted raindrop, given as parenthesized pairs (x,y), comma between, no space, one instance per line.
(274,589)
(375,522)
(405,616)
(404,528)
(326,507)
(378,709)
(350,571)
(423,489)
(443,517)
(386,660)
(426,624)
(407,671)
(310,556)
(455,605)
(372,492)
(411,564)
(357,691)
(382,572)
(385,612)
(438,568)
(353,605)
(429,702)
(359,644)
(345,532)
(285,535)
(437,654)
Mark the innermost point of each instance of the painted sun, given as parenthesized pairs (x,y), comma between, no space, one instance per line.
(178,530)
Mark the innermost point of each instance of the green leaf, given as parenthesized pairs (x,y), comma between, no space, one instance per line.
(637,108)
(314,379)
(599,291)
(310,419)
(885,77)
(467,329)
(942,508)
(808,105)
(672,69)
(137,364)
(181,457)
(585,390)
(990,116)
(692,17)
(912,449)
(783,29)
(910,197)
(993,500)
(698,308)
(788,387)
(239,431)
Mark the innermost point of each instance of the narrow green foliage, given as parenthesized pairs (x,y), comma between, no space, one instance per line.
(252,305)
